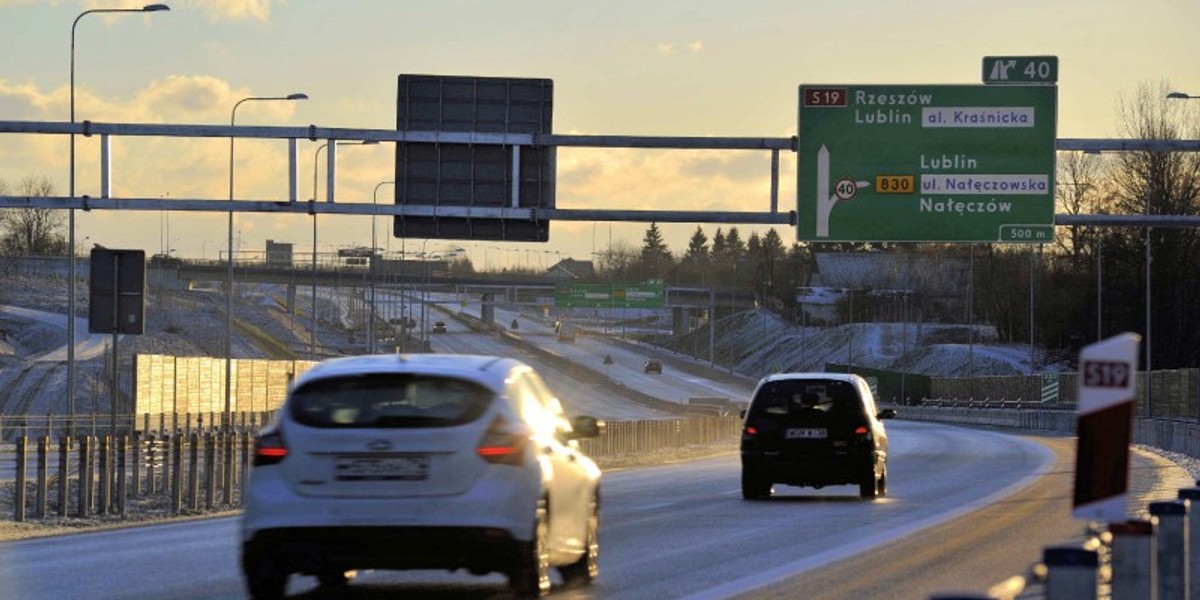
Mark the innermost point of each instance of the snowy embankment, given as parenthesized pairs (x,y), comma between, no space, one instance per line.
(760,342)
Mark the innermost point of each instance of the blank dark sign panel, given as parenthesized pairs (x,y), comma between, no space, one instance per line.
(473,175)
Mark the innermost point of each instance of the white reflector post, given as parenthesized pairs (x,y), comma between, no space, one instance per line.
(1107,374)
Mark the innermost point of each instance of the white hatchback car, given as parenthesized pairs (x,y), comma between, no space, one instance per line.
(421,462)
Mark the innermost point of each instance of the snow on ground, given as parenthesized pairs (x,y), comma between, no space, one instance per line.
(760,342)
(192,323)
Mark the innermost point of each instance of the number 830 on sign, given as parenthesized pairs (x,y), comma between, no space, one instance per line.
(895,184)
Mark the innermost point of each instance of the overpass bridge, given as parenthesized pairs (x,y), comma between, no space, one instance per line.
(420,277)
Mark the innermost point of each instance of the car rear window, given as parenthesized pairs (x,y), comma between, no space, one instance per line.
(388,401)
(798,396)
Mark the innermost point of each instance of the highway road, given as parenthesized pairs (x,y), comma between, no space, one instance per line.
(682,531)
(679,381)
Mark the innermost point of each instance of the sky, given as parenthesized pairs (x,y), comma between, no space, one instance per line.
(620,67)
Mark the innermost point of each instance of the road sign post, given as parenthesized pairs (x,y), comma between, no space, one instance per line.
(1107,375)
(940,163)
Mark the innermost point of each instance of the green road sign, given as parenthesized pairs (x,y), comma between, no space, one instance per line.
(604,295)
(1004,70)
(940,163)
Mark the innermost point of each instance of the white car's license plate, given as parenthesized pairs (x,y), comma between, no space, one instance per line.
(382,468)
(806,433)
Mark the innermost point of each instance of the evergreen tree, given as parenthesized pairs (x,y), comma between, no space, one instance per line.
(656,260)
(697,260)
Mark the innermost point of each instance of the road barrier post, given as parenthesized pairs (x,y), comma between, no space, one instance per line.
(19,497)
(176,473)
(135,448)
(64,475)
(1172,548)
(1071,573)
(122,475)
(1192,495)
(170,459)
(151,463)
(43,477)
(194,471)
(247,440)
(229,463)
(210,469)
(1133,560)
(85,476)
(105,474)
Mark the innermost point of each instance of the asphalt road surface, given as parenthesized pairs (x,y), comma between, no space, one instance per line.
(967,508)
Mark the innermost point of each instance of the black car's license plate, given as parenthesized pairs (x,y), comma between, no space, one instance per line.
(806,433)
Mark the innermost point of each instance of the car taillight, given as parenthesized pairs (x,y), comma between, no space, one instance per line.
(750,431)
(269,449)
(502,444)
(863,433)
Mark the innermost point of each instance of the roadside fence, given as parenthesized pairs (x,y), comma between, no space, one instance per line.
(95,425)
(191,465)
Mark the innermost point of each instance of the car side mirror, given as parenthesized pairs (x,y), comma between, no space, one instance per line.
(586,427)
(742,414)
(887,413)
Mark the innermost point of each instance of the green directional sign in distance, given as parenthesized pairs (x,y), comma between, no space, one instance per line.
(940,163)
(604,295)
(1005,70)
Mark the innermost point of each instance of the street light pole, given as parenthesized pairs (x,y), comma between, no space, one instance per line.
(316,162)
(374,244)
(71,212)
(229,249)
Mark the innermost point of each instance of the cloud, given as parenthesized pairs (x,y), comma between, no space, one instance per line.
(669,48)
(233,10)
(664,179)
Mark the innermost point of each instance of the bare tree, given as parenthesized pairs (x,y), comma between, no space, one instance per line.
(32,231)
(1160,183)
(618,260)
(1081,190)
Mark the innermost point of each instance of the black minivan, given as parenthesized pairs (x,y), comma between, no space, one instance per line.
(814,430)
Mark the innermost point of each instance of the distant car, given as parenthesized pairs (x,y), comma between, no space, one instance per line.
(421,462)
(439,327)
(814,430)
(566,332)
(653,366)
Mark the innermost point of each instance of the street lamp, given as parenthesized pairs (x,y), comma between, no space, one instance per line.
(71,211)
(312,349)
(371,315)
(229,248)
(1182,96)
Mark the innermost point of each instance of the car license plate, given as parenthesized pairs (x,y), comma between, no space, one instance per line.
(806,433)
(382,468)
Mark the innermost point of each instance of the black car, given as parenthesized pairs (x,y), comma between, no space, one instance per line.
(814,430)
(439,327)
(652,366)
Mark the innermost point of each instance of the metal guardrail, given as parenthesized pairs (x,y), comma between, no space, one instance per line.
(984,403)
(201,469)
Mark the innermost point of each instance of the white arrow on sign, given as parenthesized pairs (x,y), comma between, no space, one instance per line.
(825,200)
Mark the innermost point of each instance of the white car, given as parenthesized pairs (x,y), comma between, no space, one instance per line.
(421,462)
